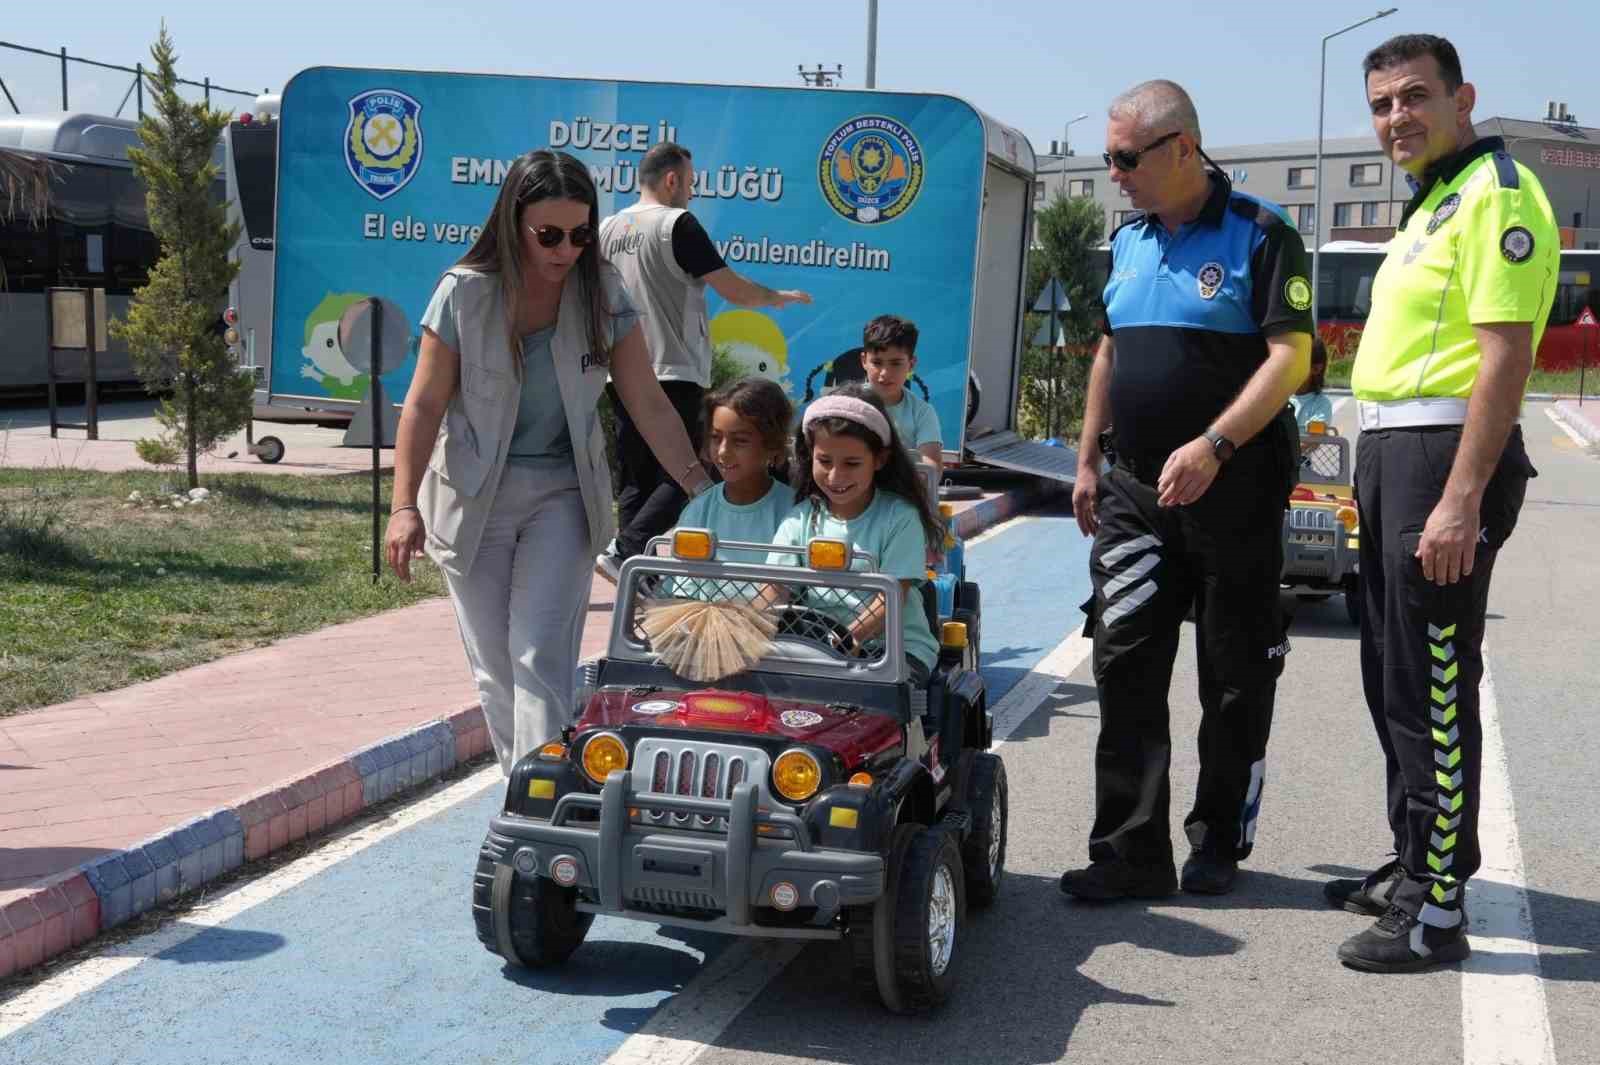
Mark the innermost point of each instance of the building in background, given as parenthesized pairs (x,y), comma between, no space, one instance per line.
(1363,193)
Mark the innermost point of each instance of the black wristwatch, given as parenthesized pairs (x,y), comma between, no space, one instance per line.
(1221,446)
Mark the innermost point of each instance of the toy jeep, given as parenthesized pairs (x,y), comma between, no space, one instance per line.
(817,795)
(1321,529)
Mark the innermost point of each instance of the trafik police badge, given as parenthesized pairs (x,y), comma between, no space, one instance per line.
(1442,213)
(1516,244)
(383,142)
(871,169)
(1209,280)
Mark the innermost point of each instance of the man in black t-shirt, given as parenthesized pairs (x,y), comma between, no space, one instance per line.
(667,260)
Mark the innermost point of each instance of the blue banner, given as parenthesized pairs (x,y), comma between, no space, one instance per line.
(868,201)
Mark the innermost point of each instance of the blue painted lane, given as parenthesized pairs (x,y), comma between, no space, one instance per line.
(1034,573)
(373,959)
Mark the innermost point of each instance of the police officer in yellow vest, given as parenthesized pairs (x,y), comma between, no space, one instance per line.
(1458,307)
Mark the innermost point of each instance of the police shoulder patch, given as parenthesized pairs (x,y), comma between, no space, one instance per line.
(1297,293)
(1516,244)
(1441,214)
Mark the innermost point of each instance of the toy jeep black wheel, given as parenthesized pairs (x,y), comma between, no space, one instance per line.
(983,855)
(531,922)
(1352,598)
(913,928)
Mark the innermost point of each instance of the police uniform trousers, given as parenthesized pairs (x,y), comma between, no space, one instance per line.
(1222,556)
(1422,653)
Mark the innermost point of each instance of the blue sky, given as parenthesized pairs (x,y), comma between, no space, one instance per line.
(1252,67)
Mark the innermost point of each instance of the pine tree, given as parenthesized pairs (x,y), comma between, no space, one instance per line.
(172,323)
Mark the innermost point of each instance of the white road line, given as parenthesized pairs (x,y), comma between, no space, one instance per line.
(58,990)
(1504,1019)
(1577,438)
(687,1026)
(996,530)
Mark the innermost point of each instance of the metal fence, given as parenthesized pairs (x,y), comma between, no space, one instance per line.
(135,87)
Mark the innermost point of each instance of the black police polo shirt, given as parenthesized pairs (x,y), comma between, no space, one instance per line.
(1190,311)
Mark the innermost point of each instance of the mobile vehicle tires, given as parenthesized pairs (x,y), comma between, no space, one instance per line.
(1352,598)
(269,449)
(983,855)
(913,928)
(529,921)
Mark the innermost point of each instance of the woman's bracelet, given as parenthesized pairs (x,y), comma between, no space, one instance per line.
(408,506)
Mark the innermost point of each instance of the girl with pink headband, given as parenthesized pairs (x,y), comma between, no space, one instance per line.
(855,482)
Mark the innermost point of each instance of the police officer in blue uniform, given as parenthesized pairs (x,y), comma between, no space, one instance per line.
(1208,332)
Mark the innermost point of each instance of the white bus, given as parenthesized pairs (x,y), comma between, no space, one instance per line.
(95,235)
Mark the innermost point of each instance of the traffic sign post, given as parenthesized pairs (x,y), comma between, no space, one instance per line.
(1588,321)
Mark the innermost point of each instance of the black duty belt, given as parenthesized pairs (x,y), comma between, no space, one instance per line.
(1145,471)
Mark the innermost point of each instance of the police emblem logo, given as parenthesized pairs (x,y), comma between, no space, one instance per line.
(871,169)
(383,141)
(1516,244)
(1297,293)
(800,718)
(1209,280)
(1442,213)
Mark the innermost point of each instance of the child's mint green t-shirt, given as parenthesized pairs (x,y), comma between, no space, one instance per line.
(915,421)
(751,522)
(892,531)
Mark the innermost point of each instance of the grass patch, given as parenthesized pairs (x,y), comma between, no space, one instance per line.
(1564,383)
(97,593)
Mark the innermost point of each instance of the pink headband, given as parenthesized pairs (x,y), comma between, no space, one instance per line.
(850,409)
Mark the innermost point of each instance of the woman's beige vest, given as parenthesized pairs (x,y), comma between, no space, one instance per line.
(459,485)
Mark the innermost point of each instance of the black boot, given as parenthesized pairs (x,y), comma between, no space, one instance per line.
(1119,879)
(1401,943)
(1209,874)
(1370,895)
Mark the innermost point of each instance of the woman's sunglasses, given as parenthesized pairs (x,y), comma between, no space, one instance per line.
(550,236)
(1127,160)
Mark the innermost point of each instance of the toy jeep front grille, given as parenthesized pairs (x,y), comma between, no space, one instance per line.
(668,766)
(1312,519)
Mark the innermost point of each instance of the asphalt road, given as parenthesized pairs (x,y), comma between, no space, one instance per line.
(363,950)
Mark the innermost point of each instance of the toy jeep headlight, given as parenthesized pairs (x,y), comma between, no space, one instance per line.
(603,753)
(796,775)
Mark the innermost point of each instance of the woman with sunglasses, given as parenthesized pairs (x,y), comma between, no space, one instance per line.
(500,461)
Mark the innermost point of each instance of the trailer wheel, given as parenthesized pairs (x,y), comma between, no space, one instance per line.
(269,449)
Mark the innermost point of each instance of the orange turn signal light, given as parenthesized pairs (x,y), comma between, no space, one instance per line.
(823,553)
(694,545)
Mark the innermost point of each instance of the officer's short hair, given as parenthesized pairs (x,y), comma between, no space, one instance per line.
(661,160)
(1408,46)
(1156,105)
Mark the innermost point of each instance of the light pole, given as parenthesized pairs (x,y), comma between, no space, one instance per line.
(872,44)
(1316,209)
(1066,135)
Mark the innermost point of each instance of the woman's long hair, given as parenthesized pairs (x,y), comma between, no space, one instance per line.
(898,475)
(540,175)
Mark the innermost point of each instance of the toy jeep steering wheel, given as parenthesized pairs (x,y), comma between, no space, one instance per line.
(808,623)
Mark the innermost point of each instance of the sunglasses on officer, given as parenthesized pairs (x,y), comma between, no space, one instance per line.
(1127,160)
(550,236)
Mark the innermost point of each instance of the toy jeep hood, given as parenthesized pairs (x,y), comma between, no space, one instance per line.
(835,726)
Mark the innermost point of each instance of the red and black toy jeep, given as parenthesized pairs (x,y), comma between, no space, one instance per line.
(816,795)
